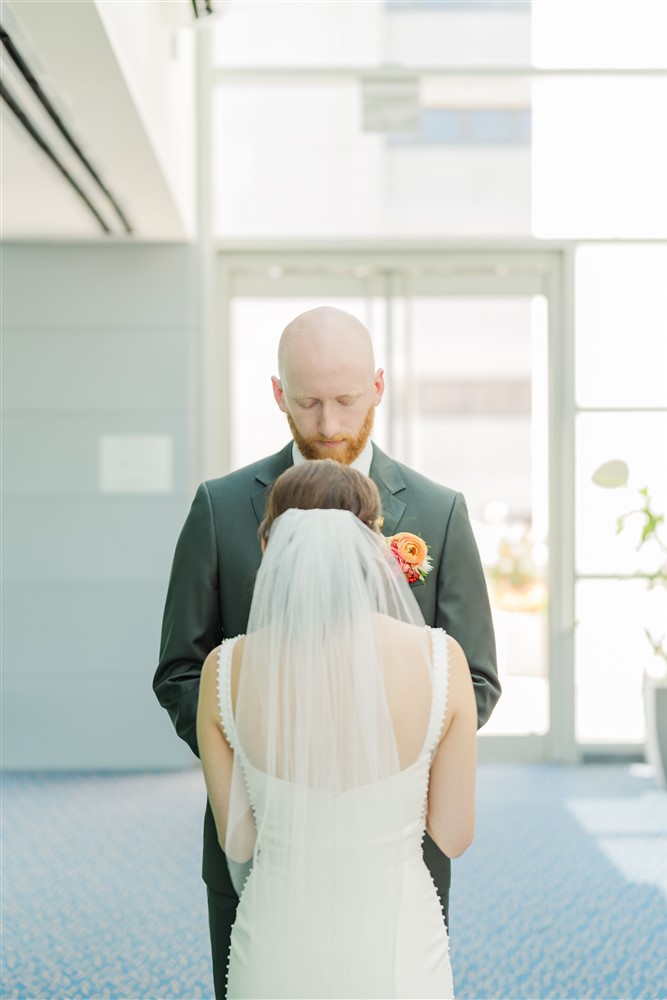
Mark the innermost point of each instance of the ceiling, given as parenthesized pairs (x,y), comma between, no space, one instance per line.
(123,185)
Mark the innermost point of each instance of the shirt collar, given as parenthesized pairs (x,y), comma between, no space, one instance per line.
(362,463)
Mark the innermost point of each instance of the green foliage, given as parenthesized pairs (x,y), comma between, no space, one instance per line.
(651,524)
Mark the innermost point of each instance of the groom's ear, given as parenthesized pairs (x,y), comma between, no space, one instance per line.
(278,393)
(378,385)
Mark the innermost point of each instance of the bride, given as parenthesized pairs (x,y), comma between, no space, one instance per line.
(331,736)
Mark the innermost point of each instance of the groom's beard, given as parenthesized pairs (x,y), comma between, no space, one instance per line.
(346,449)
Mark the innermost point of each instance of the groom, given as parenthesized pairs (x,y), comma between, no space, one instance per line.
(328,388)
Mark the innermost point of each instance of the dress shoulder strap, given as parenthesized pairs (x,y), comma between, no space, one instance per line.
(225,709)
(440,688)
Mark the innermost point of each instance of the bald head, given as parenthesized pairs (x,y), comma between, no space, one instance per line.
(328,386)
(323,339)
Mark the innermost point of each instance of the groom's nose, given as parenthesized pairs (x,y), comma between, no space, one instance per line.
(328,425)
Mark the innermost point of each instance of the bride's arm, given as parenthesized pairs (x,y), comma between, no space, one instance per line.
(215,753)
(217,760)
(450,818)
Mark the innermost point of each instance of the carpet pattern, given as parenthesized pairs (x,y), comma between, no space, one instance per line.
(562,895)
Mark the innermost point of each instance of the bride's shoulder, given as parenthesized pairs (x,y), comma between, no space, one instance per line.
(208,684)
(402,635)
(455,656)
(212,661)
(457,664)
(461,697)
(210,665)
(388,624)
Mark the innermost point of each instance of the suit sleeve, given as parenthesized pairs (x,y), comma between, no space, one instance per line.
(191,625)
(463,608)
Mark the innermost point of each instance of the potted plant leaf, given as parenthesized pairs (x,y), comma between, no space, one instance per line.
(651,525)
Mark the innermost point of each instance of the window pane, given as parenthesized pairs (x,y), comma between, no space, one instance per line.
(599,157)
(491,126)
(614,34)
(621,321)
(611,653)
(298,34)
(458,190)
(293,159)
(361,34)
(640,439)
(459,34)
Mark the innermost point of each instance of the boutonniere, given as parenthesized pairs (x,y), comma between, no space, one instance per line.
(411,554)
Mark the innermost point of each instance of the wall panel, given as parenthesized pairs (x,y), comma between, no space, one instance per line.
(97,340)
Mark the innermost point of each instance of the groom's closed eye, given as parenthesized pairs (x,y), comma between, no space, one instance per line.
(307,402)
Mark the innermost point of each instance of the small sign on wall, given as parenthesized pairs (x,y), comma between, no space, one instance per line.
(136,463)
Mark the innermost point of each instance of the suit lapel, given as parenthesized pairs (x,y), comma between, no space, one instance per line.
(388,478)
(265,475)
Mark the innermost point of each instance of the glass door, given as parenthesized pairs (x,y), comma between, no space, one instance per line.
(464,342)
(470,410)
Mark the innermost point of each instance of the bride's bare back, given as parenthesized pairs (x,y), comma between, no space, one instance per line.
(406,652)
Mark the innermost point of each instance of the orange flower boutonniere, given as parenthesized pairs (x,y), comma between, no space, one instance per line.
(411,554)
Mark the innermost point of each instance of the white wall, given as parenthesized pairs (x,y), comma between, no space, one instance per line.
(157,58)
(96,340)
(122,77)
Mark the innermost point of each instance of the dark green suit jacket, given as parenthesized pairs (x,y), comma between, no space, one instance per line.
(213,574)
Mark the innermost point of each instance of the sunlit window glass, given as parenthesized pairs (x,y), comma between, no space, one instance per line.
(640,440)
(621,326)
(589,34)
(274,33)
(599,157)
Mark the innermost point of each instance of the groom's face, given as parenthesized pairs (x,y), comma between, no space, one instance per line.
(329,398)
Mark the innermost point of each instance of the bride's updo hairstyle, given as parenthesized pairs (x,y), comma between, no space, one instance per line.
(326,485)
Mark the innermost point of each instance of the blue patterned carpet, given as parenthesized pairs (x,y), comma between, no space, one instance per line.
(563,894)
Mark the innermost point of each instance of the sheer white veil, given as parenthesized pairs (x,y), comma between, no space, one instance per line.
(314,730)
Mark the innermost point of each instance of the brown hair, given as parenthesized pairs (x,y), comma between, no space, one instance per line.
(325,484)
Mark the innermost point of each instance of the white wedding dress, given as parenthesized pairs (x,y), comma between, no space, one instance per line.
(374,929)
